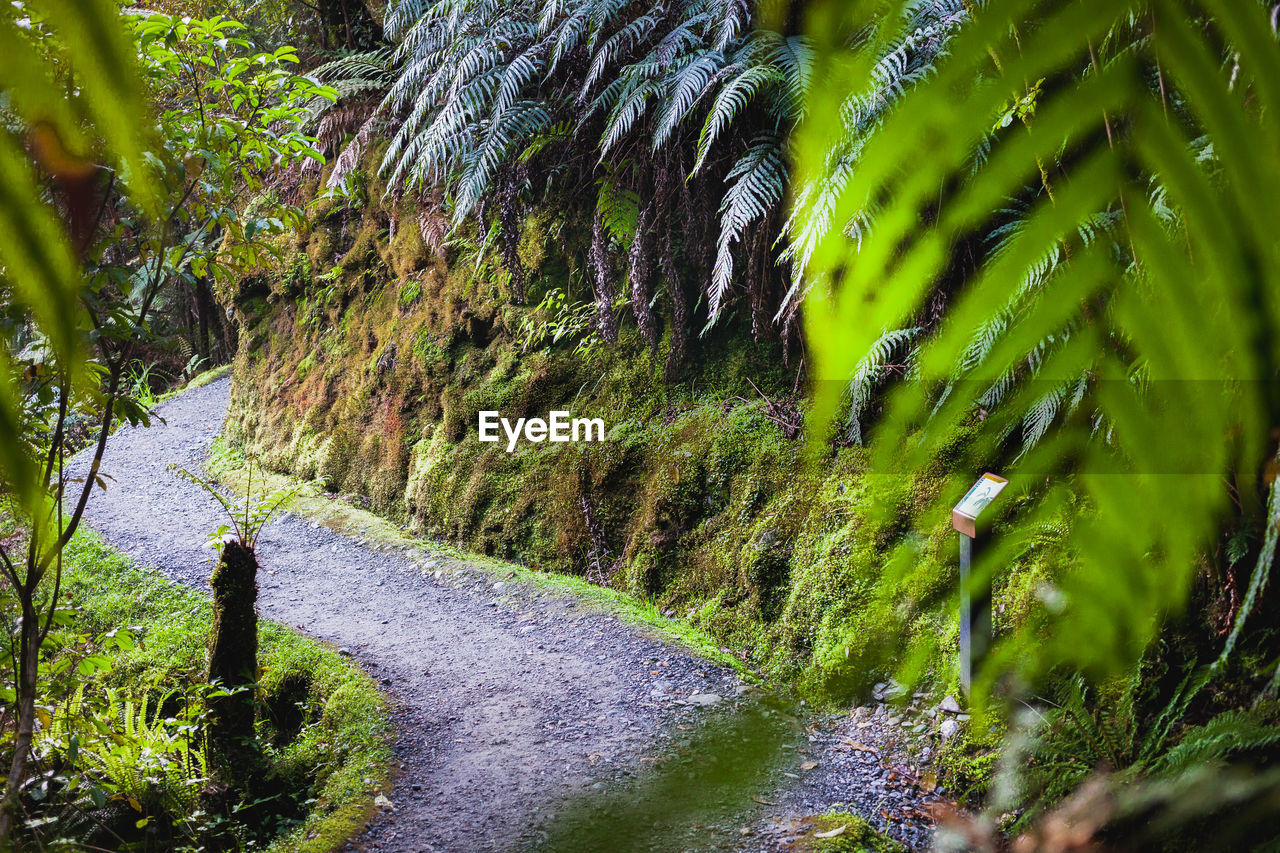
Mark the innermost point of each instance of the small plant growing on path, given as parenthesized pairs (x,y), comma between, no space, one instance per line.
(233,637)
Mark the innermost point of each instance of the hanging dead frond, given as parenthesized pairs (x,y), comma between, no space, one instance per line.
(602,280)
(640,272)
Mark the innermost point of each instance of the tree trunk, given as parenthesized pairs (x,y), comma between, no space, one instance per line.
(349,24)
(204,307)
(28,669)
(233,649)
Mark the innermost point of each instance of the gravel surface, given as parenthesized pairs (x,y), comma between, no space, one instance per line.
(509,698)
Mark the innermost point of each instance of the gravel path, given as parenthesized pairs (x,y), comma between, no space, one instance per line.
(509,699)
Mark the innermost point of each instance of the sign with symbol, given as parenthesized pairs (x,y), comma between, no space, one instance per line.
(965,514)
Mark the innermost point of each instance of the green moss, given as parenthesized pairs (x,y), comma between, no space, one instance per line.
(852,835)
(305,366)
(333,459)
(410,290)
(426,350)
(233,650)
(698,503)
(322,247)
(535,238)
(198,381)
(296,276)
(407,252)
(968,762)
(363,250)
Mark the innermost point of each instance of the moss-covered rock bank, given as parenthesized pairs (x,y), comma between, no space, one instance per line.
(365,359)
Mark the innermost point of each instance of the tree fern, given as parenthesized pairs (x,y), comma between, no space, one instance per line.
(622,74)
(757,184)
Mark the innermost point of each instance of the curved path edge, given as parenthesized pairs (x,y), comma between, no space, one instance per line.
(510,699)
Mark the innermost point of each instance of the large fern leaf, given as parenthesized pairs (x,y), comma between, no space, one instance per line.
(1192,304)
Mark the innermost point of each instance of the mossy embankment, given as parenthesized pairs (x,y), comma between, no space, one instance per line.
(365,358)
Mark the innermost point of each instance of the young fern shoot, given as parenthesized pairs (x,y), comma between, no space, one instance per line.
(248,515)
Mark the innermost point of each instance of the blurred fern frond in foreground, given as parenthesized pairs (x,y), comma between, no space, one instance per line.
(1076,211)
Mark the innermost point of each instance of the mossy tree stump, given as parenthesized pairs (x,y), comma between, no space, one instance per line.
(233,650)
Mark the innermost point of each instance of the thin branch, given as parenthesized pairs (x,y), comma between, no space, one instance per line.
(9,569)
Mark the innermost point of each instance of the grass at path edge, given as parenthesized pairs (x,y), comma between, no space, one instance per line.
(348,744)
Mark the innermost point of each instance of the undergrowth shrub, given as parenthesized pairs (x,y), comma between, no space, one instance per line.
(123,741)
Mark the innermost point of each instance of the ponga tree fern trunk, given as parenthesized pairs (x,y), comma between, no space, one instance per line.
(233,649)
(233,638)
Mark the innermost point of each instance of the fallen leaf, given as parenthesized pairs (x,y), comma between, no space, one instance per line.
(928,782)
(839,830)
(861,747)
(808,765)
(762,801)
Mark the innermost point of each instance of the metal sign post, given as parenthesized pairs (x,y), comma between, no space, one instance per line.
(975,612)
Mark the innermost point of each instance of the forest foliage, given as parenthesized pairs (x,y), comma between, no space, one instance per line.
(135,151)
(1032,237)
(1130,304)
(1045,217)
(662,130)
(985,197)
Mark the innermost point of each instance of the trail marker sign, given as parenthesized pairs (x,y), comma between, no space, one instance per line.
(975,609)
(964,515)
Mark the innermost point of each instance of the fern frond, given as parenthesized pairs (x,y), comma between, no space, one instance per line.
(731,20)
(614,48)
(1229,734)
(732,99)
(871,372)
(619,210)
(757,183)
(628,112)
(684,91)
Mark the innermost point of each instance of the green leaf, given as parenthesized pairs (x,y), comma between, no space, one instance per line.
(1182,293)
(112,92)
(35,252)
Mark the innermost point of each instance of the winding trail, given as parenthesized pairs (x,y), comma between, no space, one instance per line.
(508,698)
